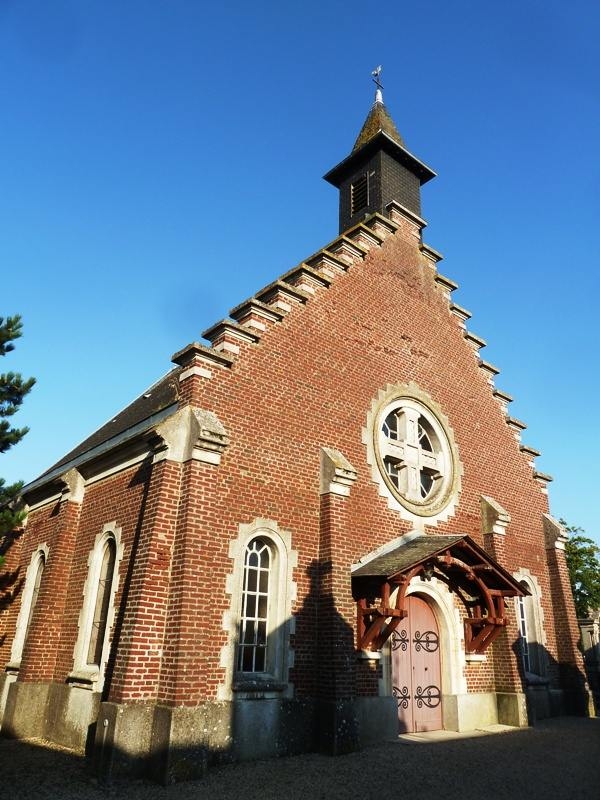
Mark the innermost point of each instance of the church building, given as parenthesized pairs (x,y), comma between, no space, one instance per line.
(320,529)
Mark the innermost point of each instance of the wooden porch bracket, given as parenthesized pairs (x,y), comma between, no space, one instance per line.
(478,581)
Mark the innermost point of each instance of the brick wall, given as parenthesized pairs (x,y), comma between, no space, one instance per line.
(308,383)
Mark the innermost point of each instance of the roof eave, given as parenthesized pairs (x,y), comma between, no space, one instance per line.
(100,450)
(381,140)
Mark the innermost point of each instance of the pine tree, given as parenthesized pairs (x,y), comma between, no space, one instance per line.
(13,389)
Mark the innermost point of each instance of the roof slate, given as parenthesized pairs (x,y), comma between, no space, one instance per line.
(160,395)
(405,556)
(377,120)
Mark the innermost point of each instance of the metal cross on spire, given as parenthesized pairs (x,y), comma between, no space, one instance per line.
(378,94)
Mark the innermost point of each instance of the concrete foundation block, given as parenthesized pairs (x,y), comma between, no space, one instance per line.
(64,714)
(377,719)
(337,727)
(24,715)
(122,741)
(6,680)
(538,703)
(467,712)
(512,709)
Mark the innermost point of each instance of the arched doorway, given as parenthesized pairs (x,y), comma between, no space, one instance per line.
(416,669)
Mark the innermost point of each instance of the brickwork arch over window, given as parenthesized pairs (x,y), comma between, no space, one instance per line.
(257,656)
(412,453)
(97,614)
(31,588)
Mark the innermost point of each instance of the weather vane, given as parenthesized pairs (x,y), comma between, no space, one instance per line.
(376,73)
(378,94)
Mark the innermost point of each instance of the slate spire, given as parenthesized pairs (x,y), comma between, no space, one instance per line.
(378,170)
(378,119)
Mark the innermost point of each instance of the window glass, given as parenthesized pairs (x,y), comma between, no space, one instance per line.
(253,642)
(98,630)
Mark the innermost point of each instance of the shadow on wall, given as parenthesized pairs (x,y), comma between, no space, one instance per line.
(590,647)
(540,672)
(11,581)
(263,720)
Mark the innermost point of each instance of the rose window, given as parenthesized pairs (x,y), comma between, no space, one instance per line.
(414,455)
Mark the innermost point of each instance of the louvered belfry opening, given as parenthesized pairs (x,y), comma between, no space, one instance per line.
(378,171)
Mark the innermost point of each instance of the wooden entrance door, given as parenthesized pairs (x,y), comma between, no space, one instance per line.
(416,669)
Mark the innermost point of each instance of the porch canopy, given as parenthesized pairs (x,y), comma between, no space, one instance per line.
(478,581)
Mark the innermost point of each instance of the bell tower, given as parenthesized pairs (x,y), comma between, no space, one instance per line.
(379,169)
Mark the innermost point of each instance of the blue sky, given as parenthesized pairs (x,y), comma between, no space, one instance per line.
(162,161)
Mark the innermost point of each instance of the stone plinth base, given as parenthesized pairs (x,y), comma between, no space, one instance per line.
(466,712)
(177,744)
(512,709)
(63,714)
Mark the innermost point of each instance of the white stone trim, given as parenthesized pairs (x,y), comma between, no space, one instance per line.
(120,467)
(530,580)
(444,503)
(452,643)
(556,536)
(337,473)
(102,449)
(83,673)
(281,622)
(74,485)
(201,372)
(41,551)
(494,518)
(191,434)
(46,501)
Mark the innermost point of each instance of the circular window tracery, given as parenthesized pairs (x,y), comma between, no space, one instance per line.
(413,452)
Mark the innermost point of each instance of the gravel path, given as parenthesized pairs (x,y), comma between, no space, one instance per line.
(559,759)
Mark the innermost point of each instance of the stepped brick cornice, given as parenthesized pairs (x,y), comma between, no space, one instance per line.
(446,285)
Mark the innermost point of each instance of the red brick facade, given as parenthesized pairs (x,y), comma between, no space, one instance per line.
(363,317)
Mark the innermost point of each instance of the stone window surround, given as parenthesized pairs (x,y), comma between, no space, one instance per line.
(281,622)
(523,575)
(443,503)
(450,626)
(41,552)
(83,674)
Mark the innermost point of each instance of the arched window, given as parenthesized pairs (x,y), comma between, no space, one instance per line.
(98,610)
(39,569)
(531,648)
(33,580)
(102,604)
(257,655)
(253,644)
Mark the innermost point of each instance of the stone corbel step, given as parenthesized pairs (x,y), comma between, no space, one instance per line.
(432,255)
(282,296)
(383,226)
(476,342)
(460,312)
(306,278)
(254,314)
(530,451)
(503,398)
(489,369)
(516,426)
(543,479)
(346,250)
(228,336)
(197,359)
(326,263)
(446,285)
(364,236)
